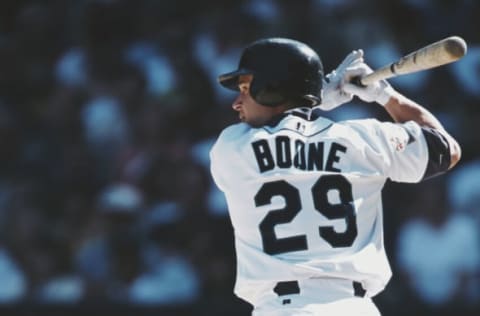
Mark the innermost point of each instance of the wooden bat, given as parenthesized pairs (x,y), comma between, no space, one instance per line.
(436,54)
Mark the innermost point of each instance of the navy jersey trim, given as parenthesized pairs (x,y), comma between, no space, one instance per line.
(295,131)
(438,152)
(302,113)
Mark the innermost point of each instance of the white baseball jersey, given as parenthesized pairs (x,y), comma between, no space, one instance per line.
(304,196)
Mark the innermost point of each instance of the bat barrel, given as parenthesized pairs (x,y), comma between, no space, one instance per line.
(455,46)
(436,54)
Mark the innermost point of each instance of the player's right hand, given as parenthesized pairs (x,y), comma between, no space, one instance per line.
(379,91)
(333,92)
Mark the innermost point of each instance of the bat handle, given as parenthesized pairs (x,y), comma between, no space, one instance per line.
(358,81)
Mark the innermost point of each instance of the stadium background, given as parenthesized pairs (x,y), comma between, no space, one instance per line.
(108,109)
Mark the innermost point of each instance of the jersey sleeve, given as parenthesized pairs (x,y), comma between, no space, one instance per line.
(216,164)
(408,151)
(225,163)
(414,152)
(402,146)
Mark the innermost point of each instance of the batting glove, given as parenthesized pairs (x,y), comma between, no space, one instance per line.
(333,94)
(379,91)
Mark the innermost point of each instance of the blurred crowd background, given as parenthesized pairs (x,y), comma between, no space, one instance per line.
(108,109)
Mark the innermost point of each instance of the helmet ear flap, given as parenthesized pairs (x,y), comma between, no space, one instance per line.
(268,93)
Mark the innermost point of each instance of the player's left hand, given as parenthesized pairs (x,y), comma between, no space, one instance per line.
(379,92)
(333,93)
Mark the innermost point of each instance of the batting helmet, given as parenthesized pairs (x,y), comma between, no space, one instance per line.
(283,70)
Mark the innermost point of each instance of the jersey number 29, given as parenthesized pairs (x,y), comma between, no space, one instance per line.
(345,209)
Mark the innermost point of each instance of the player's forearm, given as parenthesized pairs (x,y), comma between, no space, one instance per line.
(402,109)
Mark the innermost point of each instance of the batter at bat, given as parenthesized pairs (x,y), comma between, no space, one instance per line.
(304,192)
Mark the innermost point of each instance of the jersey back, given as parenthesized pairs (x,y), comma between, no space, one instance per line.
(304,196)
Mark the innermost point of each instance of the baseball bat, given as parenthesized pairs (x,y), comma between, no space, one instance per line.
(436,54)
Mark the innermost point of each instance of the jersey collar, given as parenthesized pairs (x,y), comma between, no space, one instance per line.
(306,113)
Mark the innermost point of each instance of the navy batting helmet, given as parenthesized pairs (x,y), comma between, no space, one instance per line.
(283,70)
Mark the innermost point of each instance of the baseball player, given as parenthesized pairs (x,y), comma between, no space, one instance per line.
(304,192)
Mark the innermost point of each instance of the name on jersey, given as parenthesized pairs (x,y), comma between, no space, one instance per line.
(294,153)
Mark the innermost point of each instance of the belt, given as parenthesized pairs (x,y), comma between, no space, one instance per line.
(293,287)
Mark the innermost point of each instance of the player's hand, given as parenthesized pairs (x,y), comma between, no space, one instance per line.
(379,91)
(333,94)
